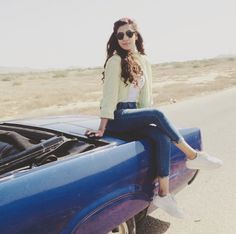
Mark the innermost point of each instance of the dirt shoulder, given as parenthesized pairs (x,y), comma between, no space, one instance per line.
(78,91)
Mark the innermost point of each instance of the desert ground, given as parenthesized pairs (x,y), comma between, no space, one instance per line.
(78,91)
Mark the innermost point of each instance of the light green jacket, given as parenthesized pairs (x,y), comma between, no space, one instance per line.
(115,90)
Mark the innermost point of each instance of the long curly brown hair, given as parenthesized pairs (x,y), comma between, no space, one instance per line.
(129,67)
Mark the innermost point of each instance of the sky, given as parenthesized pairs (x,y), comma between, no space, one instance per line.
(73,33)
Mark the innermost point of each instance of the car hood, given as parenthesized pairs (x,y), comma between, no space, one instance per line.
(72,124)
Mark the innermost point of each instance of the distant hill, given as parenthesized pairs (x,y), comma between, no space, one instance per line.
(4,70)
(226,56)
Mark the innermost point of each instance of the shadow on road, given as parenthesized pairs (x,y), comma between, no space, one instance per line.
(152,225)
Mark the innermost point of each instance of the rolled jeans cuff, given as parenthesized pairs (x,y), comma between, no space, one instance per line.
(179,140)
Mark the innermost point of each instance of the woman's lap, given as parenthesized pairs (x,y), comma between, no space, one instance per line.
(132,119)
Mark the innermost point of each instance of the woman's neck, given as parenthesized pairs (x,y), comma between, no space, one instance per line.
(134,50)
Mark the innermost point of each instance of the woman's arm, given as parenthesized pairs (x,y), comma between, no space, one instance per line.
(111,87)
(110,95)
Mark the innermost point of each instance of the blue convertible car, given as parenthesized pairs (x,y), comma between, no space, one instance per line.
(53,179)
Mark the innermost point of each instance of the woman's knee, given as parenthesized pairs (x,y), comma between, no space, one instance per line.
(156,115)
(159,114)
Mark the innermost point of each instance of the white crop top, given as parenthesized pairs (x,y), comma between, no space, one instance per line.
(135,89)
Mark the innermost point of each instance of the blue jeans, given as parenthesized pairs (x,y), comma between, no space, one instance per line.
(147,123)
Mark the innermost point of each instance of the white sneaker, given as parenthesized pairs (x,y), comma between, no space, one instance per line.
(169,205)
(204,161)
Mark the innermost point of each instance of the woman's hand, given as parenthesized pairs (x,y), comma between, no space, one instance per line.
(94,134)
(97,133)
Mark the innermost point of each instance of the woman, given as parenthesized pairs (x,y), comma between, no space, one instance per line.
(126,108)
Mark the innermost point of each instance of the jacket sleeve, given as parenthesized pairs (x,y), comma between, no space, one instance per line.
(111,87)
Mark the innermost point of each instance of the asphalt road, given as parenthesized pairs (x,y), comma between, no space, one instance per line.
(211,200)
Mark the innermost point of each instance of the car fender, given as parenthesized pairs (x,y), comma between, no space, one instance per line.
(104,215)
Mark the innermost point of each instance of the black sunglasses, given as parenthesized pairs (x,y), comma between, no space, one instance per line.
(120,35)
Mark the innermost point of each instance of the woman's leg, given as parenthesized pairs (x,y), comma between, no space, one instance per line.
(131,119)
(162,151)
(161,146)
(144,117)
